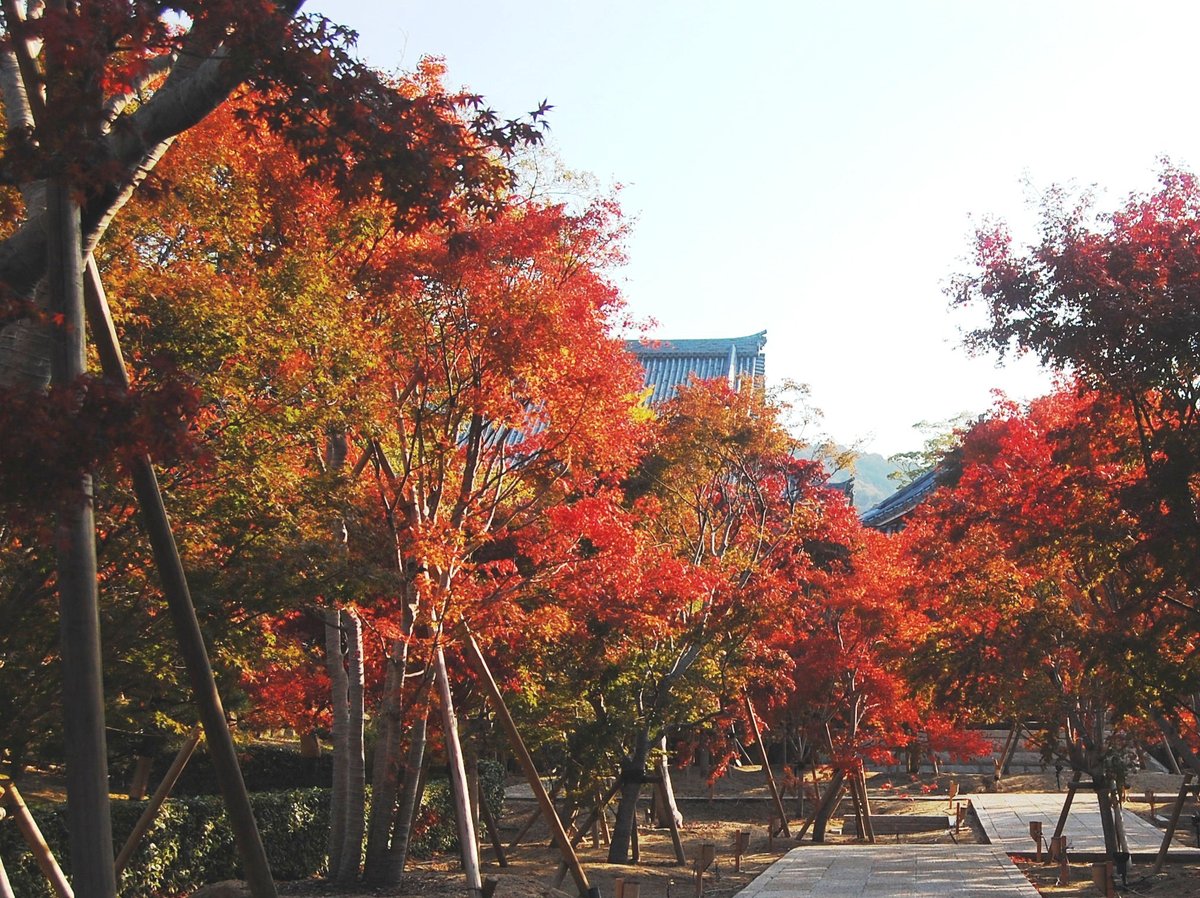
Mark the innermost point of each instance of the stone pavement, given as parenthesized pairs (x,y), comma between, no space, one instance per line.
(1006,816)
(892,871)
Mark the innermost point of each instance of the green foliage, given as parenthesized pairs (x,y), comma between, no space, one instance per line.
(436,831)
(941,438)
(189,844)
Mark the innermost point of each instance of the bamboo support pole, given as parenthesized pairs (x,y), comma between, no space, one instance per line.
(6,890)
(533,818)
(156,801)
(858,785)
(779,809)
(1066,811)
(1172,823)
(183,612)
(597,811)
(476,660)
(34,839)
(489,820)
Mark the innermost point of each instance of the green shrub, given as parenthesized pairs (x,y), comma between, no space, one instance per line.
(265,768)
(436,830)
(189,844)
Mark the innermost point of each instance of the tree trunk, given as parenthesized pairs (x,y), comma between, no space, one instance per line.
(633,769)
(410,798)
(88,814)
(385,778)
(458,778)
(668,789)
(829,804)
(355,814)
(340,700)
(1104,796)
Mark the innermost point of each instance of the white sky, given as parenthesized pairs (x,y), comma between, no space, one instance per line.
(814,168)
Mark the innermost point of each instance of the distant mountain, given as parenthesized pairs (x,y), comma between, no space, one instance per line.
(871,483)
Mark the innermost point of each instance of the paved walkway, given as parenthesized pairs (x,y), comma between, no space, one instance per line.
(892,871)
(1006,816)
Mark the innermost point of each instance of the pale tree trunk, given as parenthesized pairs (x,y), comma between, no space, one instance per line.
(410,797)
(88,814)
(458,777)
(200,78)
(339,696)
(351,855)
(385,778)
(668,789)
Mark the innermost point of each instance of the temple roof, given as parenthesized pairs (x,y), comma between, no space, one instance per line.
(669,363)
(889,514)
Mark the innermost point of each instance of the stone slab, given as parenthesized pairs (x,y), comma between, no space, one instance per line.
(1006,816)
(891,871)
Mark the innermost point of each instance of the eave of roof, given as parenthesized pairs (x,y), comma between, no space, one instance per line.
(902,501)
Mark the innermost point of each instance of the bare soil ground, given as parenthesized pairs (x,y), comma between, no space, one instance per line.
(740,801)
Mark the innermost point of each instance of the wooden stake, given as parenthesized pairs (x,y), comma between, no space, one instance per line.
(741,844)
(34,839)
(156,802)
(767,766)
(1172,823)
(476,660)
(178,596)
(704,859)
(1071,787)
(6,890)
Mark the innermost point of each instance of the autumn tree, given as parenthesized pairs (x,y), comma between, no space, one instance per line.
(1114,299)
(672,585)
(94,96)
(1038,596)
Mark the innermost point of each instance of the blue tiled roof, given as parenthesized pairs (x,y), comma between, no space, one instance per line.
(889,514)
(669,363)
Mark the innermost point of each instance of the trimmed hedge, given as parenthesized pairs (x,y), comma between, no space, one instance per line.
(190,843)
(265,768)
